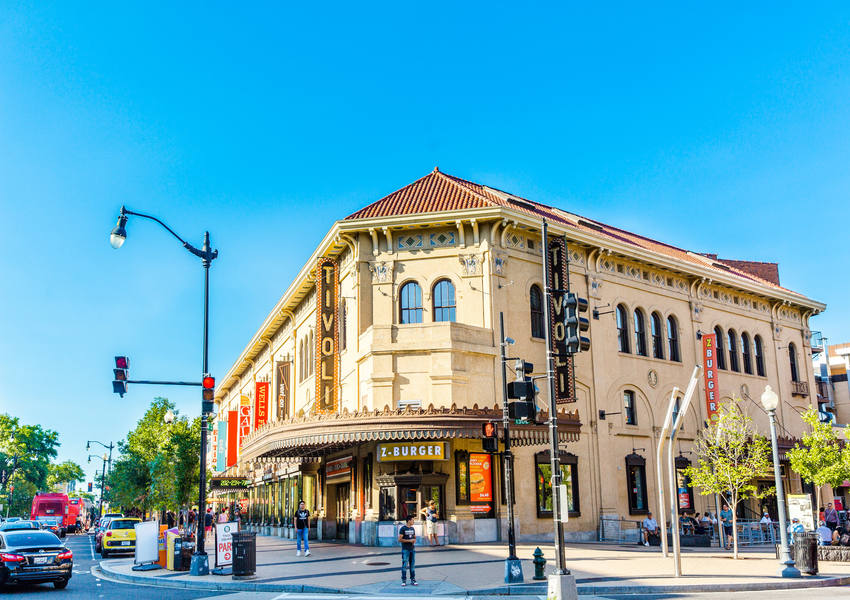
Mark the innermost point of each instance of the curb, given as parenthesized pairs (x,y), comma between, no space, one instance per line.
(527,590)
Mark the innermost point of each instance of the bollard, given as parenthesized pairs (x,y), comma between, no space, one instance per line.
(539,564)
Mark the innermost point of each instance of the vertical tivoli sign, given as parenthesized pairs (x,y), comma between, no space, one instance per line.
(556,262)
(327,340)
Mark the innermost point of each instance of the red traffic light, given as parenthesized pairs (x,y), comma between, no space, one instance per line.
(209,382)
(122,362)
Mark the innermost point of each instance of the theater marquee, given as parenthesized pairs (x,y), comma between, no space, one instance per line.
(327,338)
(556,263)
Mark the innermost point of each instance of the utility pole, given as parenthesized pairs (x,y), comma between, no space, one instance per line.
(513,566)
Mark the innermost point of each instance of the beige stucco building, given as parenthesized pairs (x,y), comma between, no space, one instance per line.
(375,402)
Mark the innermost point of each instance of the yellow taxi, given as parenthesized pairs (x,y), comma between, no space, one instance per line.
(120,536)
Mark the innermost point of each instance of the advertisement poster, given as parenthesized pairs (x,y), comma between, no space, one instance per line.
(244,418)
(838,503)
(221,455)
(224,543)
(800,506)
(261,404)
(480,483)
(709,363)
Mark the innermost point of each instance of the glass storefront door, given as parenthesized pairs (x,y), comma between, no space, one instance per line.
(343,510)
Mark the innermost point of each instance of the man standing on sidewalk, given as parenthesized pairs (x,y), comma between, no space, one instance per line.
(830,515)
(407,537)
(302,528)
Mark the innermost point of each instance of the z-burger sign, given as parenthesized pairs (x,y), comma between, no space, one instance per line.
(413,451)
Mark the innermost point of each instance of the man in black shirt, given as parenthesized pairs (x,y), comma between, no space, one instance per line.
(407,537)
(302,528)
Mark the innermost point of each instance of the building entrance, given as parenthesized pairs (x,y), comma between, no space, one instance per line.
(343,510)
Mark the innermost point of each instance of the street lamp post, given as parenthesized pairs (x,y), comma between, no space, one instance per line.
(102,478)
(200,561)
(769,400)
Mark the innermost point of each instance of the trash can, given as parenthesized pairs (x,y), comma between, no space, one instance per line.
(806,552)
(187,548)
(244,553)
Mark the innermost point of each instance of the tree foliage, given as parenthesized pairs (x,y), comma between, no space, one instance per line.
(25,455)
(731,456)
(820,460)
(65,472)
(157,466)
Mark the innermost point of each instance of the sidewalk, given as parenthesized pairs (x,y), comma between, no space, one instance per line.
(478,569)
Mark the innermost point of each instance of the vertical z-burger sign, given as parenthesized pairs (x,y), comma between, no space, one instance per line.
(556,263)
(327,355)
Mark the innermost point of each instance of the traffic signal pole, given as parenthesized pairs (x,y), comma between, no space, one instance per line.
(555,462)
(513,567)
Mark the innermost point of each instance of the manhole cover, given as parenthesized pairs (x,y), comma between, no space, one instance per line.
(375,563)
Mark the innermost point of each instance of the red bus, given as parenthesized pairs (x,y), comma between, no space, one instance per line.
(78,509)
(48,505)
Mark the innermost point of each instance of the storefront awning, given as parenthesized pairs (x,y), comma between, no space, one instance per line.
(314,435)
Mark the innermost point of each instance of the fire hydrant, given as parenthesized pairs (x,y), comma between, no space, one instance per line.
(539,564)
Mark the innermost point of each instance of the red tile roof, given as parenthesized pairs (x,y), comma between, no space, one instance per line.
(437,192)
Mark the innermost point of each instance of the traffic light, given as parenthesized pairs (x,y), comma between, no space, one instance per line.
(524,392)
(577,325)
(489,442)
(208,394)
(90,485)
(121,372)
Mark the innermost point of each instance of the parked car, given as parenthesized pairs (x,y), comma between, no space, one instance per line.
(52,525)
(19,525)
(120,536)
(34,556)
(99,531)
(115,515)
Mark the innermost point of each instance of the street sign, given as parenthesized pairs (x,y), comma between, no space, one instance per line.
(522,422)
(565,510)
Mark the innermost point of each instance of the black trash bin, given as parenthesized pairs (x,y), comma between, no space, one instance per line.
(187,548)
(806,552)
(244,553)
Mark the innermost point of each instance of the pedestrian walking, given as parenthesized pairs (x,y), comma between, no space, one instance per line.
(302,528)
(208,521)
(830,515)
(191,520)
(726,519)
(407,537)
(431,516)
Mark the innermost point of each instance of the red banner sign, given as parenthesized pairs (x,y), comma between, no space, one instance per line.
(709,364)
(232,436)
(261,404)
(244,418)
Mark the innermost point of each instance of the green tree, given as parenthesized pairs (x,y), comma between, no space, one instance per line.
(25,455)
(731,455)
(820,460)
(65,472)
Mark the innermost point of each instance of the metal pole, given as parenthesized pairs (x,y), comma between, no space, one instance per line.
(202,567)
(789,570)
(674,516)
(102,488)
(555,462)
(659,469)
(509,459)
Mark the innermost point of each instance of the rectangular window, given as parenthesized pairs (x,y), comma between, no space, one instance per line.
(543,483)
(636,476)
(629,410)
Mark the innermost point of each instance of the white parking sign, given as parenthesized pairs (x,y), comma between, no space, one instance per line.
(224,543)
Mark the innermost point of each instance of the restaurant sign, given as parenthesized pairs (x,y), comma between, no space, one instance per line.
(556,263)
(413,451)
(261,404)
(244,418)
(327,355)
(340,467)
(709,364)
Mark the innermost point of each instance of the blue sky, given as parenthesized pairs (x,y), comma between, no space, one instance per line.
(719,129)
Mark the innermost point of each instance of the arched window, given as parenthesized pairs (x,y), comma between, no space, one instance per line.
(759,356)
(732,339)
(792,358)
(623,328)
(311,354)
(721,355)
(411,303)
(301,360)
(657,339)
(535,300)
(640,333)
(673,339)
(746,354)
(444,301)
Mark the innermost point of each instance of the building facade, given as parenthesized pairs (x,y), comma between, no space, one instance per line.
(365,389)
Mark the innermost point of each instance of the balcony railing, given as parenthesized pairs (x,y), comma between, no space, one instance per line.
(800,388)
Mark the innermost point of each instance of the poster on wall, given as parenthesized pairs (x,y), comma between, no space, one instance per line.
(709,363)
(261,404)
(244,418)
(800,506)
(480,478)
